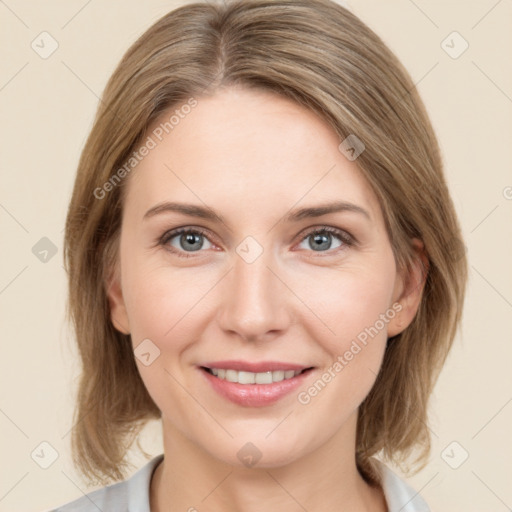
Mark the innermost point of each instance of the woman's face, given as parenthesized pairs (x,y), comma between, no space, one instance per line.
(249,282)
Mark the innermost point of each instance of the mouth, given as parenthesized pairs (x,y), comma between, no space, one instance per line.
(254,384)
(248,378)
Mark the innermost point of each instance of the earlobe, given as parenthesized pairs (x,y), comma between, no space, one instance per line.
(118,313)
(409,290)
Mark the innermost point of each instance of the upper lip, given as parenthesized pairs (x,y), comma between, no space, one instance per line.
(254,367)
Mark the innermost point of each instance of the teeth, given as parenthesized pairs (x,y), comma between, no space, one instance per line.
(254,378)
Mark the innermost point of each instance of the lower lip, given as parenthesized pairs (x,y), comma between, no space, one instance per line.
(255,395)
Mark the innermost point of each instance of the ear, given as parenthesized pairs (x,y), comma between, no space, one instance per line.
(118,313)
(408,290)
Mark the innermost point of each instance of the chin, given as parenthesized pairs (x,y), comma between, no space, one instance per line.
(253,451)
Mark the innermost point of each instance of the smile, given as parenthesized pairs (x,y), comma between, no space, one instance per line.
(254,389)
(244,377)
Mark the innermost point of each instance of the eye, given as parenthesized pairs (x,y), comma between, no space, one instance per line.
(183,240)
(320,239)
(186,241)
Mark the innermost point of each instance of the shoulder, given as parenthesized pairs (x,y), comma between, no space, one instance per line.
(129,495)
(400,496)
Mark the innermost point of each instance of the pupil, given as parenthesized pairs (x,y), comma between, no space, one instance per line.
(191,238)
(321,241)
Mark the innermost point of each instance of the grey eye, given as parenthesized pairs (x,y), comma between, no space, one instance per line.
(189,241)
(321,241)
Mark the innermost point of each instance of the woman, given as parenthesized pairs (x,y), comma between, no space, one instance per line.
(263,253)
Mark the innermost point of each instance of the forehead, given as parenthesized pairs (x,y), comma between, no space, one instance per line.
(244,149)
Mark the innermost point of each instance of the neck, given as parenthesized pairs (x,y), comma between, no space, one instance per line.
(327,478)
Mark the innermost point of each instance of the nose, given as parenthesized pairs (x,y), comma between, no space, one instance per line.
(256,302)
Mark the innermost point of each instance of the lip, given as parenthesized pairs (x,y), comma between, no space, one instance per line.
(249,366)
(255,395)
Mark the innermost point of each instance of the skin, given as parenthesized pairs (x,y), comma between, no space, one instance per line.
(253,156)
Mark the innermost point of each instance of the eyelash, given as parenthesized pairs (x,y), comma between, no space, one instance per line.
(347,239)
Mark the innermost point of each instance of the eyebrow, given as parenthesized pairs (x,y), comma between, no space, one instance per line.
(293,216)
(324,209)
(186,209)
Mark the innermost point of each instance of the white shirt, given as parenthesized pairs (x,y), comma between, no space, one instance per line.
(132,495)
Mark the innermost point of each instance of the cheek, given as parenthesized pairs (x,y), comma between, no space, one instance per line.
(358,306)
(164,306)
(355,305)
(159,298)
(358,312)
(351,301)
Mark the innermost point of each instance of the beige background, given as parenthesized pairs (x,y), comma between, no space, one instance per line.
(48,106)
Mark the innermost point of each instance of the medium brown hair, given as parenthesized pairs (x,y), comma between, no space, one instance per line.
(323,57)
